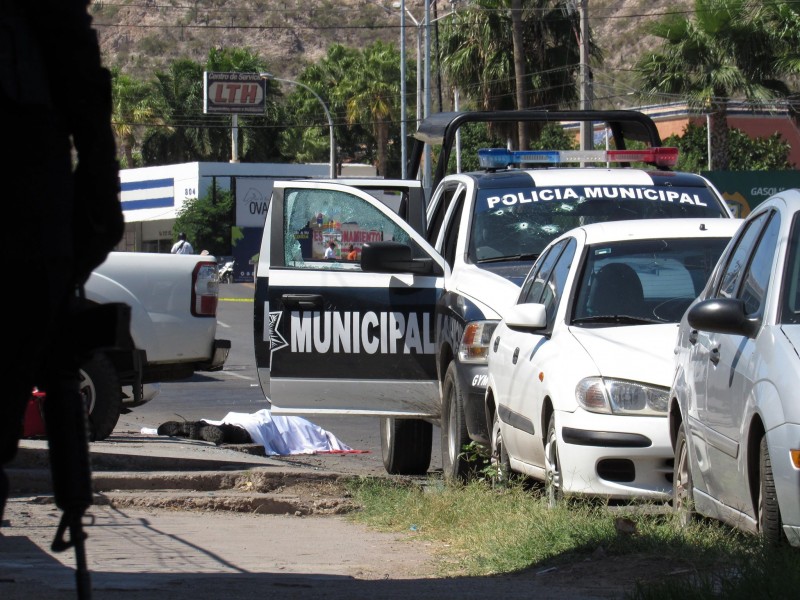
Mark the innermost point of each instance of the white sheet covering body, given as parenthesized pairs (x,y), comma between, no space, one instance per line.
(283,436)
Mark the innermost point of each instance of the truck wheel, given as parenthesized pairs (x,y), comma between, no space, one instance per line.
(102,394)
(406,446)
(455,463)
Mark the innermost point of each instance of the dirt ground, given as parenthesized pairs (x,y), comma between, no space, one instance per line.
(274,530)
(180,548)
(320,506)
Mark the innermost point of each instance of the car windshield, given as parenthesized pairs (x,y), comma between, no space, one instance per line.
(643,281)
(513,223)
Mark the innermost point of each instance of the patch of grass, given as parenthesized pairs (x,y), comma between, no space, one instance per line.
(480,530)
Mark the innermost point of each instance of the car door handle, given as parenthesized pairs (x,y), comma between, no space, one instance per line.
(714,357)
(303,301)
(515,357)
(693,336)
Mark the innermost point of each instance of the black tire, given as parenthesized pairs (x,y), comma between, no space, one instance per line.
(770,525)
(102,394)
(682,487)
(455,463)
(501,465)
(406,446)
(553,479)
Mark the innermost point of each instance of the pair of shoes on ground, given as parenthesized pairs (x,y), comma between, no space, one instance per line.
(200,430)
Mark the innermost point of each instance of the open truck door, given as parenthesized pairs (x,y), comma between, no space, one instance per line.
(347,337)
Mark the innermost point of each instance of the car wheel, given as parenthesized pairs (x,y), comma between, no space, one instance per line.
(769,514)
(501,465)
(455,463)
(553,480)
(406,446)
(102,395)
(682,490)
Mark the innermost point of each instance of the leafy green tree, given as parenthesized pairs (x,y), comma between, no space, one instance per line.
(207,221)
(722,52)
(745,153)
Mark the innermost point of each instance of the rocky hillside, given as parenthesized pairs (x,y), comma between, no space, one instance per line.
(141,36)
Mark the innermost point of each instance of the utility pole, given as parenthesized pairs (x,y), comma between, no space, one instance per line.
(403,101)
(427,170)
(587,127)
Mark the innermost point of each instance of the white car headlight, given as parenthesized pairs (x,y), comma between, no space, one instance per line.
(620,397)
(474,346)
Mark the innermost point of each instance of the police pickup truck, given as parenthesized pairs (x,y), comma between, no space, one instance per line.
(402,331)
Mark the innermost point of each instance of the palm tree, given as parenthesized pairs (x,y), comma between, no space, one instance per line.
(722,52)
(371,94)
(133,107)
(519,65)
(781,19)
(479,49)
(178,98)
(306,142)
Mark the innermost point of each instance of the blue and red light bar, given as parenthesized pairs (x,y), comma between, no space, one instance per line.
(500,158)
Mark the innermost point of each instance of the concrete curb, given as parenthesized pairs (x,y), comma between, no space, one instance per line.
(188,476)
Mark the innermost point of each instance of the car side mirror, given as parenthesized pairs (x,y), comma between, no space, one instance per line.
(722,315)
(394,257)
(526,316)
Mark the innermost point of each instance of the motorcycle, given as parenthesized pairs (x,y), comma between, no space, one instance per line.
(226,272)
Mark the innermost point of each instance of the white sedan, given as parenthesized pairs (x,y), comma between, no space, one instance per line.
(580,367)
(735,410)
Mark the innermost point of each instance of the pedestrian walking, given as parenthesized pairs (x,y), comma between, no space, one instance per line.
(182,246)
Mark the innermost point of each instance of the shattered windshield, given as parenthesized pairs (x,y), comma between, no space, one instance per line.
(327,228)
(520,222)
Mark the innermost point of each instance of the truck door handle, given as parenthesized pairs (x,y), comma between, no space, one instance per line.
(303,301)
(714,358)
(693,337)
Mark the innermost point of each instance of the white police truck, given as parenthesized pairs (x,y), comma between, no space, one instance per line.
(402,331)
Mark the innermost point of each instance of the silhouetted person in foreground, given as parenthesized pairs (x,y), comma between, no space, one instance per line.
(61,186)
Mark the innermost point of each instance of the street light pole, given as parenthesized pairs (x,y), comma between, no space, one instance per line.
(327,114)
(418,26)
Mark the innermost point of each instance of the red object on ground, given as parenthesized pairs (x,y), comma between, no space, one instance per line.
(34,416)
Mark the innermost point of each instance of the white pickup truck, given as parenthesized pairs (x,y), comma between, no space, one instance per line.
(173,324)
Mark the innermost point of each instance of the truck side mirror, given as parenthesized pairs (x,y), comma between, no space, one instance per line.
(394,257)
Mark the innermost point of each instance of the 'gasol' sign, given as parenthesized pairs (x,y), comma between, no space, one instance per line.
(233,93)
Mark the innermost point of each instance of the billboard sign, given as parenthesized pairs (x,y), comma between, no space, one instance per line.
(233,93)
